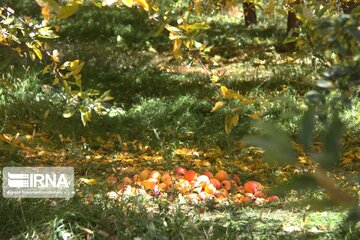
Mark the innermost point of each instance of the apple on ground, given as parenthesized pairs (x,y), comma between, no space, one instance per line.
(221,175)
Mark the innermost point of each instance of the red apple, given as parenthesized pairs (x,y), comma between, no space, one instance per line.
(259,194)
(180,170)
(221,175)
(226,185)
(209,174)
(253,186)
(145,174)
(272,199)
(127,181)
(162,186)
(165,176)
(216,183)
(149,184)
(190,175)
(236,178)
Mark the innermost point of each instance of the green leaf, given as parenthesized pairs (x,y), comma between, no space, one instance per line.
(47,32)
(275,142)
(290,40)
(104,97)
(331,154)
(307,128)
(85,116)
(67,11)
(68,113)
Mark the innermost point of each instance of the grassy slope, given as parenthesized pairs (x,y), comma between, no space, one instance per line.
(154,92)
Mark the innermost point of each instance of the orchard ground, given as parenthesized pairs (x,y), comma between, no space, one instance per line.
(162,120)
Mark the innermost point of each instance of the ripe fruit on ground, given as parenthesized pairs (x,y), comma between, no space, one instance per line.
(190,175)
(145,174)
(180,170)
(219,196)
(253,186)
(245,200)
(216,183)
(221,175)
(120,186)
(149,184)
(162,186)
(210,189)
(241,189)
(136,178)
(203,180)
(224,192)
(127,181)
(165,177)
(250,196)
(259,194)
(236,178)
(226,185)
(209,174)
(272,199)
(183,186)
(168,183)
(155,175)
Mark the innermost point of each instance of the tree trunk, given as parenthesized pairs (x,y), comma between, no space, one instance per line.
(250,13)
(292,23)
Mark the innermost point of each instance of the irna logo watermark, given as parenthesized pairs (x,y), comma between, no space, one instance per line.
(38,182)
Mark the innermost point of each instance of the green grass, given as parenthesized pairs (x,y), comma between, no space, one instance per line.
(149,218)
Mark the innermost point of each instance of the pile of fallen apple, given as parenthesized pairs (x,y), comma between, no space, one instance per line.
(195,187)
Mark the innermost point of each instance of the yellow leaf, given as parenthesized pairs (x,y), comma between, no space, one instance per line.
(38,53)
(46,69)
(90,181)
(128,3)
(235,120)
(143,3)
(228,93)
(56,81)
(155,8)
(218,105)
(74,64)
(78,68)
(176,48)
